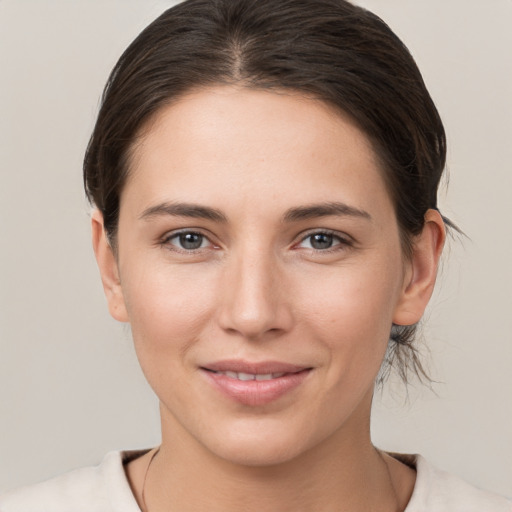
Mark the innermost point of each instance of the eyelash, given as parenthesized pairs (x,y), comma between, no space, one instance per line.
(166,241)
(343,242)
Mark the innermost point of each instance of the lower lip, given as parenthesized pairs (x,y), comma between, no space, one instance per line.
(256,392)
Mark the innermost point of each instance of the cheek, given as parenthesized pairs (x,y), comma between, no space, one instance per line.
(168,308)
(351,313)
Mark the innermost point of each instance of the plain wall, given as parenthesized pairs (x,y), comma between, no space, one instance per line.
(70,386)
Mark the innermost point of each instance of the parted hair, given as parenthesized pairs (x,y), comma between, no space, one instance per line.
(330,50)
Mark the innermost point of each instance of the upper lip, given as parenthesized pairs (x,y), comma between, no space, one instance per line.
(255,368)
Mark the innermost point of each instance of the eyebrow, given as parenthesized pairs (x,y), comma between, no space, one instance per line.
(324,210)
(292,215)
(183,210)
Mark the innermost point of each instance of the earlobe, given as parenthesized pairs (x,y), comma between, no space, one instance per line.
(108,266)
(422,273)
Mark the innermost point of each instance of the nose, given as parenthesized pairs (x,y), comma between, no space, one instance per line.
(256,303)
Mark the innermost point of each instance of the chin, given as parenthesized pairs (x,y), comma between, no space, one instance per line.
(259,446)
(257,454)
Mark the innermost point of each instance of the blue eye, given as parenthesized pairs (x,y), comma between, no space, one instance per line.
(188,241)
(322,241)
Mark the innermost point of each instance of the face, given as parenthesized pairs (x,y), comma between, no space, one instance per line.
(259,265)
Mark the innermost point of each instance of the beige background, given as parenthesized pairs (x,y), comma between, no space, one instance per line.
(70,387)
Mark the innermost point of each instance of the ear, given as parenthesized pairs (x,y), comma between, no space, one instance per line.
(422,270)
(108,266)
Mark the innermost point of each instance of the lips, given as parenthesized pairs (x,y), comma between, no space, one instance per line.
(251,376)
(254,368)
(254,384)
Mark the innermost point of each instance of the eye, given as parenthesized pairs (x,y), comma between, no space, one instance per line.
(188,241)
(323,240)
(320,241)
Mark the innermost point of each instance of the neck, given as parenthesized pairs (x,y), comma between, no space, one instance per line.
(344,472)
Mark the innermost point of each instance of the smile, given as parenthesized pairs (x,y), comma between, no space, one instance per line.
(254,384)
(251,376)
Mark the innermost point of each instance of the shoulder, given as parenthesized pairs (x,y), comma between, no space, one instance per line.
(102,488)
(438,491)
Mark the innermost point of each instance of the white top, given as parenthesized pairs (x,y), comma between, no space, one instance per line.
(104,488)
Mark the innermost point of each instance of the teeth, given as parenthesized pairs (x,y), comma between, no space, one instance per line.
(264,376)
(251,376)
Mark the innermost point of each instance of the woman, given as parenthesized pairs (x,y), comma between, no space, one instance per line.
(265,178)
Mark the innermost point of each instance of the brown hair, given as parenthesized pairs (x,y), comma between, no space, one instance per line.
(332,50)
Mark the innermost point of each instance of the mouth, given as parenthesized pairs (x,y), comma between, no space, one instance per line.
(250,376)
(255,384)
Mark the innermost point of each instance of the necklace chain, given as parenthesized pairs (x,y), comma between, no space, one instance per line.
(390,479)
(142,497)
(155,453)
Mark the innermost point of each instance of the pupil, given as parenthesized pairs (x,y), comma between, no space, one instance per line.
(321,241)
(191,240)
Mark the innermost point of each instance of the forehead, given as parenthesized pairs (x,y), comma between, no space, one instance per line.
(220,141)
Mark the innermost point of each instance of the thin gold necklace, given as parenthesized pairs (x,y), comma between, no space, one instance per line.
(390,480)
(142,497)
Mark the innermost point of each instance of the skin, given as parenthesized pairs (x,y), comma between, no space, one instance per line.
(257,290)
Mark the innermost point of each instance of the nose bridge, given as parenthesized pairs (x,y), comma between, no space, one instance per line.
(253,304)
